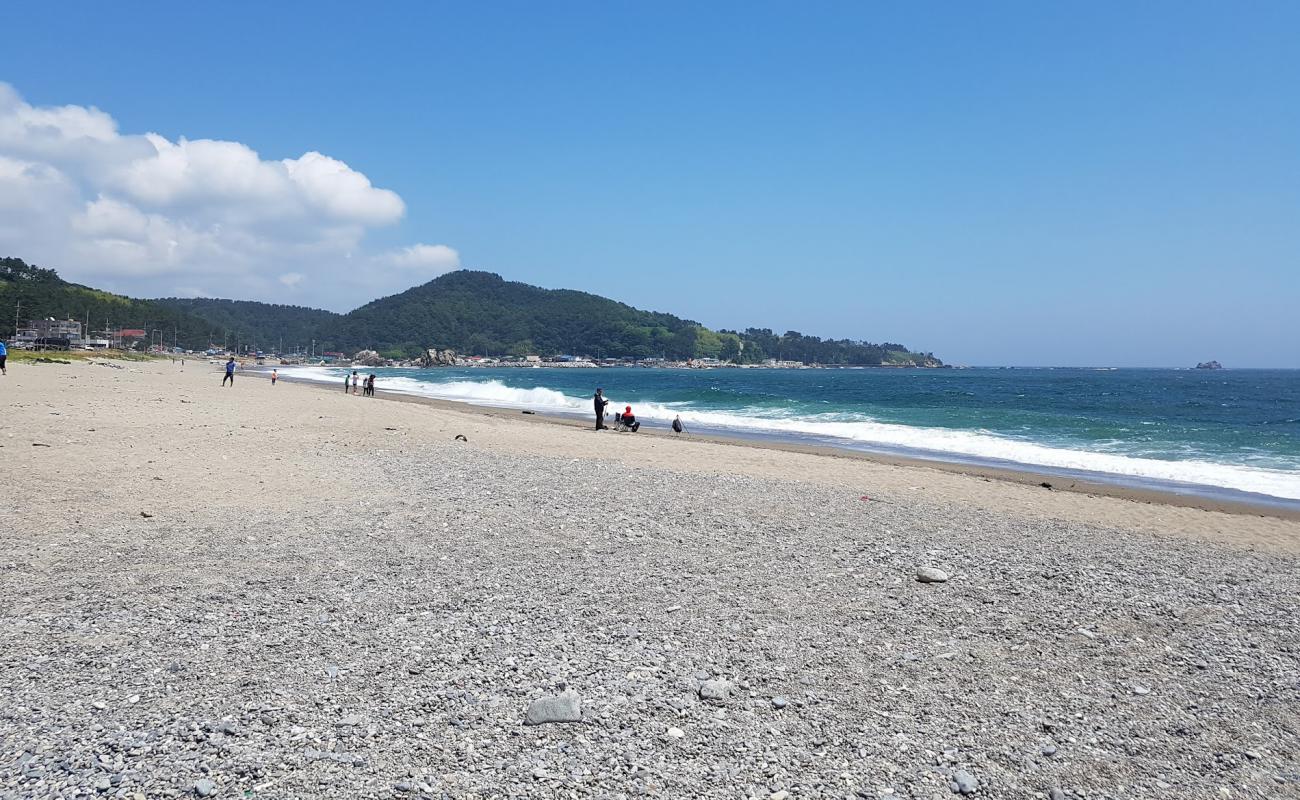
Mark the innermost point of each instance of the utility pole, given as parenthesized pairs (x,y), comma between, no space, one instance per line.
(17,310)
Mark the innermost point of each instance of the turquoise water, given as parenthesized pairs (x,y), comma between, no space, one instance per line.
(1235,430)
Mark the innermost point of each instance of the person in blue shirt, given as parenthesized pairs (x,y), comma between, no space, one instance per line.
(230,373)
(4,356)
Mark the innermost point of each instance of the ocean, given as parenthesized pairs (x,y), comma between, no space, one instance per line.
(1231,434)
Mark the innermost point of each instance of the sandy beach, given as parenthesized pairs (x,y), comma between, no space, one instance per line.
(286,591)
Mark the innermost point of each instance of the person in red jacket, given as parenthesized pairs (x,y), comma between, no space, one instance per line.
(628,420)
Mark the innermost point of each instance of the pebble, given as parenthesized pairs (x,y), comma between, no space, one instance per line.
(566,707)
(204,787)
(1056,794)
(964,782)
(715,690)
(781,795)
(931,575)
(779,702)
(1049,750)
(676,733)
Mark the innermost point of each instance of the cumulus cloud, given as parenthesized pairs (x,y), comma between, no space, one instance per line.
(145,214)
(429,259)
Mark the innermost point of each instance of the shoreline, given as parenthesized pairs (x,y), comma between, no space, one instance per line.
(1026,476)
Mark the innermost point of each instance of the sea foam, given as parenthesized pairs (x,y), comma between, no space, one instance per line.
(981,446)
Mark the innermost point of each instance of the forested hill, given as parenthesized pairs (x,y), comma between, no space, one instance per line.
(474,313)
(271,325)
(30,292)
(480,313)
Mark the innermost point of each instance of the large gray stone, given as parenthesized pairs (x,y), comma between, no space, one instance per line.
(964,782)
(566,707)
(715,690)
(931,575)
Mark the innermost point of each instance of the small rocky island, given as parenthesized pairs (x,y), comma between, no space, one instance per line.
(1209,365)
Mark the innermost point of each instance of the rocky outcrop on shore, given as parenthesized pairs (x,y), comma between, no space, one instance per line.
(368,358)
(434,357)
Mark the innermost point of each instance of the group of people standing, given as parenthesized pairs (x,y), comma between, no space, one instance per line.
(624,420)
(367,384)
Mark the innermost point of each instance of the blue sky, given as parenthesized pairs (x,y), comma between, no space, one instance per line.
(1008,183)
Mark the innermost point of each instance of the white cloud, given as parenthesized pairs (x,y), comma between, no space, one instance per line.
(429,259)
(125,210)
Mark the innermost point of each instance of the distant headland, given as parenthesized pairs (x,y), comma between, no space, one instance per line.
(473,314)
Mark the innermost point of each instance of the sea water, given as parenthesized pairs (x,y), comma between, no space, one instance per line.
(1219,433)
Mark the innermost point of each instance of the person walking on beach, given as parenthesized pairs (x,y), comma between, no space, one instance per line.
(355,379)
(230,373)
(600,402)
(275,375)
(4,356)
(345,383)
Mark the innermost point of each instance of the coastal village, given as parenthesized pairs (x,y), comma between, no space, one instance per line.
(71,334)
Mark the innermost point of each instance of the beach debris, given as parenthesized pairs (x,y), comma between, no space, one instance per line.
(964,783)
(715,690)
(39,444)
(931,575)
(390,429)
(526,411)
(1046,485)
(565,707)
(146,515)
(460,437)
(869,499)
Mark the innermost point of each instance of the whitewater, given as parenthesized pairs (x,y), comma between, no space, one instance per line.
(851,430)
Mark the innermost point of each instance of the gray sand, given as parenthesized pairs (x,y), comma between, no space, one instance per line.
(391,645)
(331,598)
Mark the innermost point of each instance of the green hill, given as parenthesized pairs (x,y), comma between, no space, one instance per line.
(481,314)
(30,292)
(475,313)
(270,325)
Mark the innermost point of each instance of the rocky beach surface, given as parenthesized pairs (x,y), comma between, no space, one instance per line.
(291,592)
